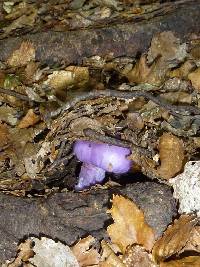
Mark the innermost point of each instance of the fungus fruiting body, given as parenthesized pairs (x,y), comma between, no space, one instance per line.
(99,158)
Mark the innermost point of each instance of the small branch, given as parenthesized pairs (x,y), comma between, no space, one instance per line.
(174,110)
(15,94)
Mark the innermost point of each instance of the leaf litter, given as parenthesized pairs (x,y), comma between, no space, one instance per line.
(139,248)
(163,120)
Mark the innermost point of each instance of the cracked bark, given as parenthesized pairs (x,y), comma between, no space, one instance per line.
(69,216)
(118,39)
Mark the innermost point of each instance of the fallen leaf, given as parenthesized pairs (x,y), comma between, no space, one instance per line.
(177,97)
(164,53)
(49,253)
(171,151)
(78,126)
(4,135)
(72,76)
(166,45)
(129,225)
(25,252)
(23,55)
(85,253)
(195,238)
(153,74)
(174,239)
(140,71)
(191,261)
(22,14)
(193,243)
(194,77)
(183,70)
(136,256)
(109,258)
(29,119)
(135,121)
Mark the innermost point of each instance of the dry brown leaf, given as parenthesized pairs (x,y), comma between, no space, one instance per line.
(129,225)
(183,70)
(194,77)
(136,256)
(194,242)
(166,45)
(135,121)
(25,253)
(177,97)
(4,135)
(72,76)
(30,72)
(153,74)
(165,52)
(85,253)
(23,55)
(78,126)
(191,261)
(29,119)
(140,71)
(174,239)
(109,258)
(171,151)
(22,14)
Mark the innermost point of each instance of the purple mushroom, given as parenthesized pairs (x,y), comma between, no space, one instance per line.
(97,159)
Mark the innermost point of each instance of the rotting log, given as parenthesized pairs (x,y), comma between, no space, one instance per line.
(67,217)
(116,39)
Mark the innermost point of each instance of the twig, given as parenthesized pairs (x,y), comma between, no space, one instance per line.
(93,135)
(174,110)
(15,94)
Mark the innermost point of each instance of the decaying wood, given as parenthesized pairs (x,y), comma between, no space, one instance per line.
(69,216)
(117,39)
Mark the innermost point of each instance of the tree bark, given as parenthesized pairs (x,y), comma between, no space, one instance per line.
(69,216)
(119,39)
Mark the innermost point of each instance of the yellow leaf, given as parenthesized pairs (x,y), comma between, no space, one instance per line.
(129,225)
(109,257)
(191,261)
(174,238)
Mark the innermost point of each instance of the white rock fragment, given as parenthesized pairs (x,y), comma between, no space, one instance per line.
(187,188)
(49,253)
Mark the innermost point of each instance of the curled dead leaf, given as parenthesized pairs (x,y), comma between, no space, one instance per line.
(174,238)
(109,258)
(171,151)
(29,119)
(129,225)
(85,253)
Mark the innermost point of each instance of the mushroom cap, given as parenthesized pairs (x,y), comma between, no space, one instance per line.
(108,157)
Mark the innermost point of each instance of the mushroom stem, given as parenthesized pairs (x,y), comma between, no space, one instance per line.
(89,175)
